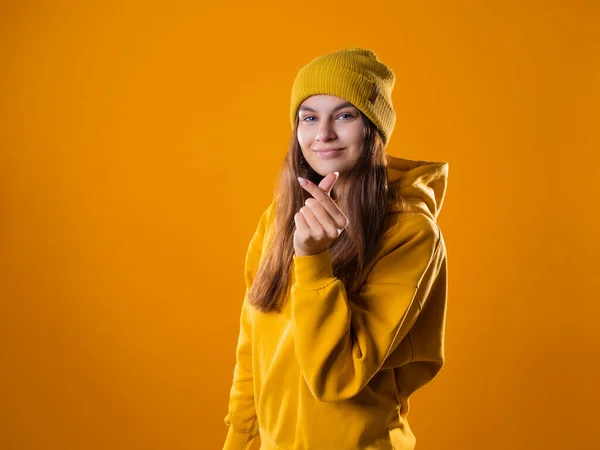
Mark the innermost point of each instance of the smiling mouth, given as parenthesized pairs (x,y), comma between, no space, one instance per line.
(331,150)
(329,154)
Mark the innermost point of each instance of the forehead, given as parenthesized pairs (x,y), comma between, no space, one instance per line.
(323,102)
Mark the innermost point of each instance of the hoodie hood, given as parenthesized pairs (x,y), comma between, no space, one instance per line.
(421,183)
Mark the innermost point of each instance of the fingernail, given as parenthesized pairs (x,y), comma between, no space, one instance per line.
(302,181)
(337,174)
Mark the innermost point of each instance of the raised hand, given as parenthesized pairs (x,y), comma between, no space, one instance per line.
(320,221)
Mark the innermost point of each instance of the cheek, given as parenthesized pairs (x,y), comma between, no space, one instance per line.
(353,139)
(304,138)
(358,133)
(351,134)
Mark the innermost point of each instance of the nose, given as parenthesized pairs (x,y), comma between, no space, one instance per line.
(325,131)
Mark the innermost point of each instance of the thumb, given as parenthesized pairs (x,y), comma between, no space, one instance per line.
(327,183)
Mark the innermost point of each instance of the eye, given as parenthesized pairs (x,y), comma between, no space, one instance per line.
(312,117)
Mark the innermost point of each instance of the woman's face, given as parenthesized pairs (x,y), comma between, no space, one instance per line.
(329,122)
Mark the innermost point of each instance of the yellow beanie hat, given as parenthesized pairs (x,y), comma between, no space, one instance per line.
(354,74)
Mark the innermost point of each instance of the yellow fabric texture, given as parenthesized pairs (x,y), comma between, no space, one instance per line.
(333,371)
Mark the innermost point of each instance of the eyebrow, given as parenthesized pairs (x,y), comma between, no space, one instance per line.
(343,105)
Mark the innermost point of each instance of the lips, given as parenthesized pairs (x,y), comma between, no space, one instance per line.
(334,153)
(328,150)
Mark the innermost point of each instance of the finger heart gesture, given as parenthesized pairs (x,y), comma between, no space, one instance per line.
(320,221)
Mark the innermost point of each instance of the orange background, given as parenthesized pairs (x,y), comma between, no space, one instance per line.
(140,144)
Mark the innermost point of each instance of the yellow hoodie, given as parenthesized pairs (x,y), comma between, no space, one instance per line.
(335,373)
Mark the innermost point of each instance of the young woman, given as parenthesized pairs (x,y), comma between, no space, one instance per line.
(344,312)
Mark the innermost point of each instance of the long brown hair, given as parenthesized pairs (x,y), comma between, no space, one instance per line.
(364,197)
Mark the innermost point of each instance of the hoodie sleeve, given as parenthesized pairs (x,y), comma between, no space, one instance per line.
(241,417)
(342,342)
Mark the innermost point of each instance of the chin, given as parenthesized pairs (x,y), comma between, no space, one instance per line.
(324,167)
(323,171)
